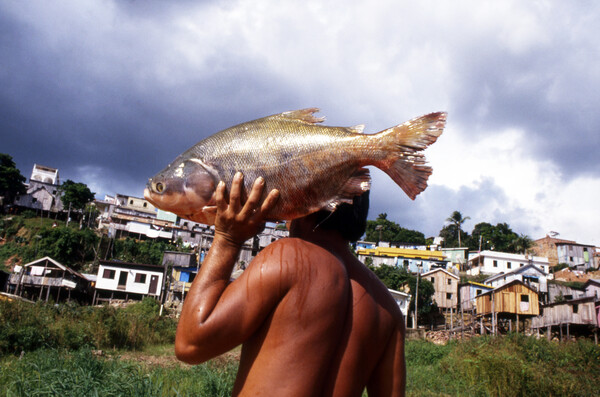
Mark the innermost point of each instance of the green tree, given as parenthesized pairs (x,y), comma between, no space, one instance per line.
(382,229)
(396,278)
(499,238)
(456,220)
(11,180)
(68,246)
(76,195)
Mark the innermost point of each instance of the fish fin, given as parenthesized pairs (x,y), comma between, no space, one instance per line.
(406,166)
(209,213)
(357,129)
(356,185)
(304,115)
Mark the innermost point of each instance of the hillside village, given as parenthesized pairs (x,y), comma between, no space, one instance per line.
(483,292)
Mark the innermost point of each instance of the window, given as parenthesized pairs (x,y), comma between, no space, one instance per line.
(108,273)
(575,308)
(508,265)
(131,202)
(495,263)
(524,298)
(478,292)
(448,295)
(140,278)
(433,280)
(145,204)
(449,281)
(521,265)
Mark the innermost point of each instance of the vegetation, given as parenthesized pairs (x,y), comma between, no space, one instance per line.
(26,327)
(11,181)
(514,365)
(396,278)
(382,229)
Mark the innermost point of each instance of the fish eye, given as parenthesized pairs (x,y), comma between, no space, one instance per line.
(159,187)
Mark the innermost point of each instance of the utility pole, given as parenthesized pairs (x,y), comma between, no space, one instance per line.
(417,299)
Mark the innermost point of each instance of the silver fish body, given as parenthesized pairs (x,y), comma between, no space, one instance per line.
(313,166)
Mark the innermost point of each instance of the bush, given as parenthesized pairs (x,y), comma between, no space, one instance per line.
(27,327)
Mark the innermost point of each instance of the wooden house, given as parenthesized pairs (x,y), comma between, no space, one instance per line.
(579,315)
(46,279)
(512,301)
(123,280)
(446,287)
(468,292)
(592,288)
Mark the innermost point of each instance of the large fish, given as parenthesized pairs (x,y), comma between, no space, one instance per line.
(313,166)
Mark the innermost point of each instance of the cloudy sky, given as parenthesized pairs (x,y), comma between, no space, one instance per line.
(109,92)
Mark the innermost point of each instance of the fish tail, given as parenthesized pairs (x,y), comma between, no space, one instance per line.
(402,145)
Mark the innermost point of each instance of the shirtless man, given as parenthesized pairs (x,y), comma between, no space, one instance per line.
(312,319)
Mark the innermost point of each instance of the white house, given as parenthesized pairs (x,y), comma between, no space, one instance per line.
(494,262)
(403,301)
(530,275)
(122,280)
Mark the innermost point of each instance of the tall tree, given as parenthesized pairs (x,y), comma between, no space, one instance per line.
(11,180)
(76,194)
(457,220)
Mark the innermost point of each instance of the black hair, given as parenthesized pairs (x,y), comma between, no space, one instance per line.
(350,220)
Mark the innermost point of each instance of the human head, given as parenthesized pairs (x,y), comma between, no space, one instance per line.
(350,220)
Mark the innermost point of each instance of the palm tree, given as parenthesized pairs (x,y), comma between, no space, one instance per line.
(457,220)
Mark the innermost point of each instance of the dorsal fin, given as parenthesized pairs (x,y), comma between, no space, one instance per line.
(304,115)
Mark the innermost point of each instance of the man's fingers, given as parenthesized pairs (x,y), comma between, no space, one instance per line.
(269,202)
(235,195)
(252,203)
(221,196)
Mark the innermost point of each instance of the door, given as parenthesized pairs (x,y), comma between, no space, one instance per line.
(122,280)
(153,285)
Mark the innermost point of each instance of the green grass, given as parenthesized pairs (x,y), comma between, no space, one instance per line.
(506,366)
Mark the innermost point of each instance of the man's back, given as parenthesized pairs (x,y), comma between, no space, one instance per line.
(333,332)
(313,320)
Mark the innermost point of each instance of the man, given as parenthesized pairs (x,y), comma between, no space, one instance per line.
(312,319)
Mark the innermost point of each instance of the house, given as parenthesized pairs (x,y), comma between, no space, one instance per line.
(446,287)
(494,262)
(123,215)
(592,288)
(403,301)
(573,316)
(414,260)
(577,256)
(457,256)
(123,280)
(184,267)
(43,190)
(45,279)
(528,274)
(512,301)
(467,292)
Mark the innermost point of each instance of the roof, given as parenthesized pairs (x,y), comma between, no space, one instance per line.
(572,301)
(440,270)
(402,252)
(558,241)
(55,263)
(510,284)
(507,255)
(516,271)
(478,284)
(130,265)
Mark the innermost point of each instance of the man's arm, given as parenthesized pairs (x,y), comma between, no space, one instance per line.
(216,315)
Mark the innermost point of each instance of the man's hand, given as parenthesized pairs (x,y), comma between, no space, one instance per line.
(237,221)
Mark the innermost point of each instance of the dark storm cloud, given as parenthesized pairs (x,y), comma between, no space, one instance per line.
(68,104)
